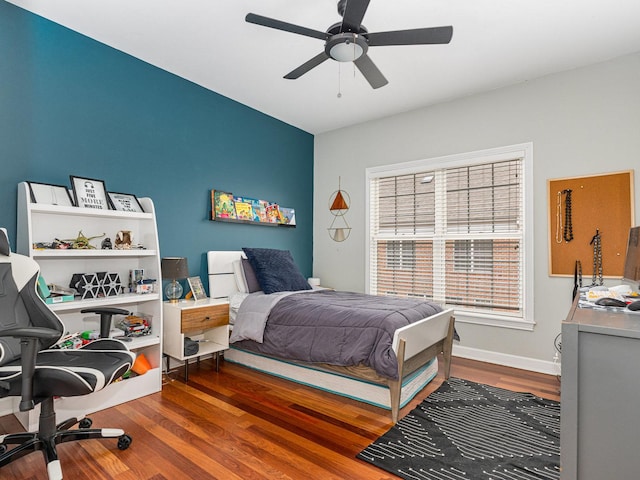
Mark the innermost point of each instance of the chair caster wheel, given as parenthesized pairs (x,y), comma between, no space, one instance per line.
(85,423)
(124,441)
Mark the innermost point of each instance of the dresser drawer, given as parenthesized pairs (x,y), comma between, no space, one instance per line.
(201,318)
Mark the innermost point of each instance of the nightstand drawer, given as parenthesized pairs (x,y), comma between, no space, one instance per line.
(204,317)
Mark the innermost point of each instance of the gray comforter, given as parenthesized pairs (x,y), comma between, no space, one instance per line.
(324,326)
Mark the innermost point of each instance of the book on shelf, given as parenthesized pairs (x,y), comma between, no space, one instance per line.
(244,209)
(258,209)
(262,210)
(273,213)
(287,216)
(223,205)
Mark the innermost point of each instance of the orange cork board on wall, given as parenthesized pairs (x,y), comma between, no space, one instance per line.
(601,204)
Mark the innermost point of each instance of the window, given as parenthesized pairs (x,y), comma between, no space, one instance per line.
(452,230)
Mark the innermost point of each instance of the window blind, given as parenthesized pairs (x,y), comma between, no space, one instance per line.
(451,235)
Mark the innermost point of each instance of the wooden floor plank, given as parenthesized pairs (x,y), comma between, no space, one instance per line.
(241,424)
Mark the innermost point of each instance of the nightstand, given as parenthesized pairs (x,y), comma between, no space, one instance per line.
(205,321)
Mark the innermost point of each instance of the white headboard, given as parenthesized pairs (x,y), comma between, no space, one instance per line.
(222,282)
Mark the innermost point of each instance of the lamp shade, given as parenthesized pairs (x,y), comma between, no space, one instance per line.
(174,268)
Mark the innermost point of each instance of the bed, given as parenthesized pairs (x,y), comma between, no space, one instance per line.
(400,362)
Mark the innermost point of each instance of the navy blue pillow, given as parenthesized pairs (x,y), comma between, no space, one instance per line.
(276,271)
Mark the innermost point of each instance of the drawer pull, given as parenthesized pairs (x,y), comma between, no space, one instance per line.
(205,319)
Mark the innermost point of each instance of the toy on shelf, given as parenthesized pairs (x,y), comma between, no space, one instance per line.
(135,325)
(80,242)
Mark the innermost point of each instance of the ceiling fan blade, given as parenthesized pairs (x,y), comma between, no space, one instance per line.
(370,71)
(308,65)
(354,11)
(287,27)
(419,36)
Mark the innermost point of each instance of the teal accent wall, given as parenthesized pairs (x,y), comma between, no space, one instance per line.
(72,106)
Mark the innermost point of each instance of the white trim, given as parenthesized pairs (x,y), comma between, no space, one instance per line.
(493,320)
(489,155)
(521,150)
(515,361)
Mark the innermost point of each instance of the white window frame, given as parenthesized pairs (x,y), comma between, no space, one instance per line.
(523,151)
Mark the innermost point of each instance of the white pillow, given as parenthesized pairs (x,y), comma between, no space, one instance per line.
(238,274)
(234,305)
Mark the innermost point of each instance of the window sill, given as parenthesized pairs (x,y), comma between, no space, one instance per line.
(492,320)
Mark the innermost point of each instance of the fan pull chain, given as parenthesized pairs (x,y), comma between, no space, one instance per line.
(353,64)
(339,85)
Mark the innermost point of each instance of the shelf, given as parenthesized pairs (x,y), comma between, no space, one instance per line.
(87,212)
(137,343)
(91,253)
(42,222)
(125,299)
(205,348)
(251,222)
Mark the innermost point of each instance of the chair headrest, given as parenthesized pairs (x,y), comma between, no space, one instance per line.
(4,243)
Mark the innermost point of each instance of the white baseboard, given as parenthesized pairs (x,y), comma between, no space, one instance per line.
(524,363)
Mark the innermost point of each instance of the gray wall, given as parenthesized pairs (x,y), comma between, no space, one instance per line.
(581,122)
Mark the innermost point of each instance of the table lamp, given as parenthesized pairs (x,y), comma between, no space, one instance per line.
(174,269)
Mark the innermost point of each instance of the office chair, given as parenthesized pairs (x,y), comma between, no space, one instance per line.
(31,369)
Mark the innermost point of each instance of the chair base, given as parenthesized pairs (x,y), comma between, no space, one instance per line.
(49,435)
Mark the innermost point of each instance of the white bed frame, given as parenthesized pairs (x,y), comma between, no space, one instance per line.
(416,347)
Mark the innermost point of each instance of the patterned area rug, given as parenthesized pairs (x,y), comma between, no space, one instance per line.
(465,430)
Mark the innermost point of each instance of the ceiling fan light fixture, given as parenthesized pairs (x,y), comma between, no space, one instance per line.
(346,52)
(346,47)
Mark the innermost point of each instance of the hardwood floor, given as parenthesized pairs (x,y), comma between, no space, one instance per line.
(239,424)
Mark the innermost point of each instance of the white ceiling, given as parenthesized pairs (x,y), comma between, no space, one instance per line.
(495,43)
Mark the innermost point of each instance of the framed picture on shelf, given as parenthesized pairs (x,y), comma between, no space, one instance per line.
(89,193)
(196,288)
(50,194)
(125,202)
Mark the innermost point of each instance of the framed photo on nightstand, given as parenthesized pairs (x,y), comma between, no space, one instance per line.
(196,288)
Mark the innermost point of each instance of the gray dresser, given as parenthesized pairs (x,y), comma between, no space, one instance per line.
(600,405)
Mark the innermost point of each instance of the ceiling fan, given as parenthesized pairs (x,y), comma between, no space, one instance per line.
(349,40)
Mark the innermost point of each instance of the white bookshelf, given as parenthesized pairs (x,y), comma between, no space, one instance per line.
(45,223)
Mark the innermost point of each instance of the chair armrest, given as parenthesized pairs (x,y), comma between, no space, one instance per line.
(105,317)
(30,344)
(39,333)
(109,310)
